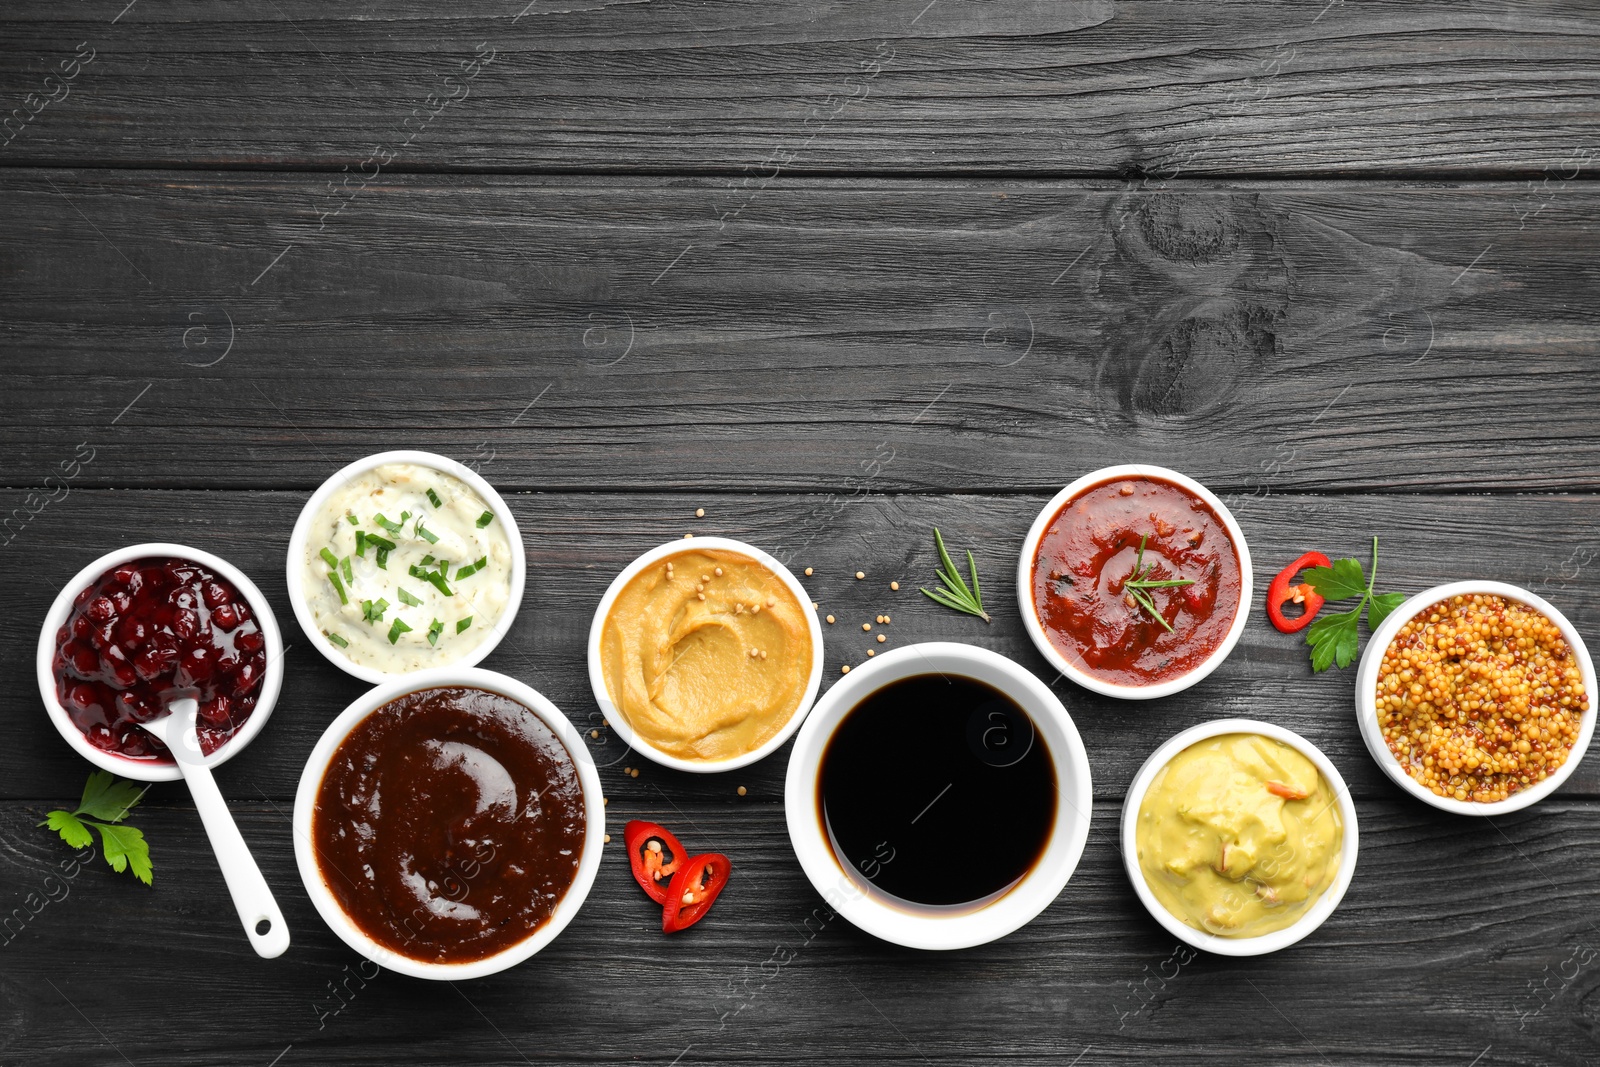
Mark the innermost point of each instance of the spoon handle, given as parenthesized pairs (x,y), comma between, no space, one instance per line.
(251,894)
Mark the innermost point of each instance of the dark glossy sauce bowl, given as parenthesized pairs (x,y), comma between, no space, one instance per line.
(429,820)
(847,884)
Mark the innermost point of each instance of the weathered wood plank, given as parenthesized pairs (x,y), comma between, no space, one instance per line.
(1455,937)
(256,331)
(1021,86)
(576,543)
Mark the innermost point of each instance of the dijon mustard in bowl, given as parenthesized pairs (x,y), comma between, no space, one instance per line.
(705,654)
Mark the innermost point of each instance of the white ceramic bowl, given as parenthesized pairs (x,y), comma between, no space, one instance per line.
(296,564)
(959,929)
(145,770)
(1239,946)
(1030,615)
(619,722)
(322,756)
(1367,691)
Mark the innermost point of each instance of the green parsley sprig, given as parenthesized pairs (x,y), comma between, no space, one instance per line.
(106,801)
(1335,639)
(954,592)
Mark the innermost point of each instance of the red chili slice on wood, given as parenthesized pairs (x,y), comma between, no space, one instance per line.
(655,857)
(693,890)
(1281,592)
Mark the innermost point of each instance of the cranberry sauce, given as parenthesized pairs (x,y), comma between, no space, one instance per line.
(149,626)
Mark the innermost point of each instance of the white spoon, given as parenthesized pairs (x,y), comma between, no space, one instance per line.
(263,921)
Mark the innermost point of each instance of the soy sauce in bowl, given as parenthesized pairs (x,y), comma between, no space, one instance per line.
(937,794)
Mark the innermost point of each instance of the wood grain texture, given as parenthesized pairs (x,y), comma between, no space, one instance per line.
(576,544)
(1438,952)
(1075,87)
(259,331)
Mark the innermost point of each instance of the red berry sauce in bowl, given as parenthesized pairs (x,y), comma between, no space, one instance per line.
(141,627)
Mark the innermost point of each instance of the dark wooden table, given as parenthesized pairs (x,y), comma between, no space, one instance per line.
(837,273)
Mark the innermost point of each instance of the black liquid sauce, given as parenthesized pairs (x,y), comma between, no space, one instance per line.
(938,792)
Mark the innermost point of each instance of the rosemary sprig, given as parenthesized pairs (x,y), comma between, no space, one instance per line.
(955,593)
(1137,585)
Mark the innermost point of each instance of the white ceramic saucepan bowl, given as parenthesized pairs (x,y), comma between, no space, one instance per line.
(1367,692)
(1030,612)
(295,570)
(322,757)
(843,889)
(147,770)
(1315,916)
(619,722)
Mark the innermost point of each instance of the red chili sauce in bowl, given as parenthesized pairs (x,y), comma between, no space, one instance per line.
(1091,549)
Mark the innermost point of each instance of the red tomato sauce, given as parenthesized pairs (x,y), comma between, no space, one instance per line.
(1091,547)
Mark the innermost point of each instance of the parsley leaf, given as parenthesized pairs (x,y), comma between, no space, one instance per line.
(1336,639)
(108,797)
(1379,607)
(1340,582)
(72,830)
(125,847)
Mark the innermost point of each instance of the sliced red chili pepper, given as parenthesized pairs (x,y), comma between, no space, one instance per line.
(693,890)
(653,867)
(1281,592)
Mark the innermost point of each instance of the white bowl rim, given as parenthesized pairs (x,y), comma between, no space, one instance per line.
(1021,904)
(321,757)
(1030,615)
(618,722)
(140,770)
(1367,687)
(294,568)
(1315,916)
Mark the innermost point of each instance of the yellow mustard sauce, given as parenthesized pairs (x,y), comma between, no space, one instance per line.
(1239,835)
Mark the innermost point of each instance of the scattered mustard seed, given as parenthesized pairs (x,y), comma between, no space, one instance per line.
(872,652)
(808,572)
(718,572)
(741,790)
(687,536)
(882,639)
(636,772)
(845,669)
(604,801)
(895,586)
(866,626)
(594,733)
(860,575)
(830,620)
(608,839)
(699,513)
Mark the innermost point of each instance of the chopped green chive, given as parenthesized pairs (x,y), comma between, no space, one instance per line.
(353,520)
(336,639)
(392,527)
(361,543)
(444,568)
(434,629)
(426,560)
(472,568)
(382,559)
(408,599)
(463,624)
(338,587)
(433,578)
(426,534)
(396,630)
(433,498)
(344,569)
(485,519)
(329,558)
(372,610)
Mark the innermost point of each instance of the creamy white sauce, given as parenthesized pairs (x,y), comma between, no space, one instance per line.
(393,490)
